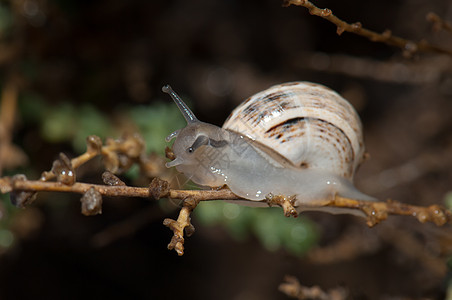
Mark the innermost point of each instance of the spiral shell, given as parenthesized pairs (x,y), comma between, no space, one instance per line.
(309,124)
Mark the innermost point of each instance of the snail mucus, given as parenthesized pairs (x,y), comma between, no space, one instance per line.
(297,139)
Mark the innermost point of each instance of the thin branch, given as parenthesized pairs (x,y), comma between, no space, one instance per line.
(438,23)
(374,211)
(408,46)
(181,225)
(8,184)
(292,288)
(411,241)
(10,155)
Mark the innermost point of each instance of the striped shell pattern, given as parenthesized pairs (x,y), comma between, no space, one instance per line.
(309,124)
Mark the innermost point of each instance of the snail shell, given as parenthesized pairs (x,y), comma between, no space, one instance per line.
(309,124)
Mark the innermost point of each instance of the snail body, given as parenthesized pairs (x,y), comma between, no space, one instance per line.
(295,139)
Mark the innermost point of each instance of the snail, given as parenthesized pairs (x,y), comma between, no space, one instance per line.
(295,139)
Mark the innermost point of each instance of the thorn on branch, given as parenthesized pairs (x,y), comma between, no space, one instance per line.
(91,202)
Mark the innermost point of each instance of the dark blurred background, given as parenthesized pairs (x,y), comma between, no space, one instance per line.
(97,67)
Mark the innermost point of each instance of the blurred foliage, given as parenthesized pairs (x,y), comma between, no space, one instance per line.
(7,213)
(448,200)
(67,122)
(156,122)
(5,18)
(269,225)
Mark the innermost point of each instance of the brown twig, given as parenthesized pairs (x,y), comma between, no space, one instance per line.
(374,211)
(409,47)
(286,202)
(438,23)
(181,225)
(292,288)
(10,155)
(8,184)
(379,211)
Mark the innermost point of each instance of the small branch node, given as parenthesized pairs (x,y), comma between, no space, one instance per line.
(340,30)
(325,12)
(292,288)
(356,26)
(111,179)
(386,34)
(93,144)
(169,153)
(438,23)
(159,188)
(111,161)
(91,202)
(20,198)
(286,202)
(5,185)
(63,170)
(375,212)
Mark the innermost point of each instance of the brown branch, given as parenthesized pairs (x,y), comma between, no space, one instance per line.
(374,211)
(292,288)
(409,47)
(8,184)
(181,225)
(378,211)
(10,155)
(438,23)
